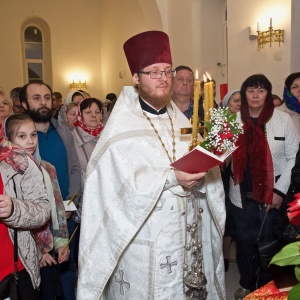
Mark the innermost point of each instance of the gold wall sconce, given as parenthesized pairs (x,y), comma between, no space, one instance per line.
(78,85)
(269,36)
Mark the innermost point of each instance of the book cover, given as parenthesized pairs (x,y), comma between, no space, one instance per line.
(199,160)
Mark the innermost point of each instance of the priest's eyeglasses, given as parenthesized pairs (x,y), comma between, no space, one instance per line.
(156,74)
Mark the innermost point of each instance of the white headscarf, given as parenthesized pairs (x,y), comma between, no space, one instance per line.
(70,95)
(228,96)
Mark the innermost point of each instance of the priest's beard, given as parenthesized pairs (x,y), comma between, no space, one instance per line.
(41,115)
(157,101)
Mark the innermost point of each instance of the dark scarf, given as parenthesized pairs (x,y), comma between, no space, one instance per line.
(253,146)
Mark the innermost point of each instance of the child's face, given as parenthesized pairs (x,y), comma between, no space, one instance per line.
(27,137)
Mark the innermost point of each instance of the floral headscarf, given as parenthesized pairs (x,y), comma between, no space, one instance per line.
(79,122)
(291,101)
(12,154)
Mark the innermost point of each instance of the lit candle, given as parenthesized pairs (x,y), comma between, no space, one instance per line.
(195,118)
(257,26)
(270,22)
(196,101)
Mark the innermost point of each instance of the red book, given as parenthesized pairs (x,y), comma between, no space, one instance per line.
(199,160)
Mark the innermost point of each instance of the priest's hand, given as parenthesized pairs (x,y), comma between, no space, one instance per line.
(188,180)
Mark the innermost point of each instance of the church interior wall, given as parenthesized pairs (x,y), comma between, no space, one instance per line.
(87,39)
(243,57)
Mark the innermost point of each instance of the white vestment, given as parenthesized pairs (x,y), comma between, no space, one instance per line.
(134,212)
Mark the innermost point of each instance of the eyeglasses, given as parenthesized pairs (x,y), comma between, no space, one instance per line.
(156,74)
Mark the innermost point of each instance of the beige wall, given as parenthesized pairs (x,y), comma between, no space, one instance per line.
(74,26)
(87,38)
(119,21)
(196,30)
(243,57)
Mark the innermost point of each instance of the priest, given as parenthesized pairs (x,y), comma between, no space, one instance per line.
(149,231)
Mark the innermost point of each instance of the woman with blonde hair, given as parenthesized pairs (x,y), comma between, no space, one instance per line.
(67,114)
(5,106)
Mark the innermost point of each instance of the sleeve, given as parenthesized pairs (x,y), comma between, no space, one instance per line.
(73,164)
(34,209)
(60,242)
(74,169)
(296,172)
(171,181)
(291,145)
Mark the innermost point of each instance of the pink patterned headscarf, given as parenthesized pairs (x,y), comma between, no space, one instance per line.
(79,122)
(14,155)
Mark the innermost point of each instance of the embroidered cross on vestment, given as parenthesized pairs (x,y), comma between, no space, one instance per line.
(168,265)
(122,283)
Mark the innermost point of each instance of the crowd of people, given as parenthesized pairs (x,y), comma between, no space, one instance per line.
(88,196)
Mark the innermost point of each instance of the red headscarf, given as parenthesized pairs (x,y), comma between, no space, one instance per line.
(253,146)
(79,122)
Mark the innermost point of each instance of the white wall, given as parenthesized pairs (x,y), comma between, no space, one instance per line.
(87,39)
(243,57)
(196,33)
(120,20)
(88,36)
(75,40)
(295,40)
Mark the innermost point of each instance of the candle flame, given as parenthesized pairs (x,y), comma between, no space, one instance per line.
(196,74)
(204,78)
(209,78)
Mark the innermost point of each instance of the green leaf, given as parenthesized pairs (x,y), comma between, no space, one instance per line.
(288,255)
(297,272)
(208,125)
(232,117)
(294,292)
(205,145)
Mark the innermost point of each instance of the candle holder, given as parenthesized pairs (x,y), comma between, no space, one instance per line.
(78,85)
(269,36)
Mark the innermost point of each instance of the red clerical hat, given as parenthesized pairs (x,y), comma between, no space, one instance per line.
(147,48)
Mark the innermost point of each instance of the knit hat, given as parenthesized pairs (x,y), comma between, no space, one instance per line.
(228,96)
(147,48)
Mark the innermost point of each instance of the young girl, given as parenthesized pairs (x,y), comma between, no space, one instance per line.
(23,207)
(21,130)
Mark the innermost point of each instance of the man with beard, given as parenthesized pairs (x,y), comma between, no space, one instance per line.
(137,209)
(56,145)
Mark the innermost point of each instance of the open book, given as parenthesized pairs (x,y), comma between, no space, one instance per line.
(199,160)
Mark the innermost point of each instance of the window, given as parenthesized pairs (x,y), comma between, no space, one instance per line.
(34,54)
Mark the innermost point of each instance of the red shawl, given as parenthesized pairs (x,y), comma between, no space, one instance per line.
(253,146)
